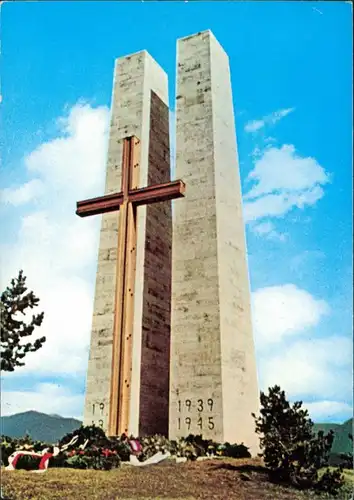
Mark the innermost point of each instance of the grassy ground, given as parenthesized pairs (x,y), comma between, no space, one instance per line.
(214,479)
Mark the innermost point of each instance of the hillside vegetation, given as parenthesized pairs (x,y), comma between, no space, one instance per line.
(341,442)
(39,426)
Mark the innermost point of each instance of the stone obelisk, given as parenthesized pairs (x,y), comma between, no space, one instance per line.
(213,374)
(139,108)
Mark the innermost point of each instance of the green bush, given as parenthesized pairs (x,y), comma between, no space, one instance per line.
(330,482)
(291,451)
(346,459)
(237,451)
(93,459)
(193,447)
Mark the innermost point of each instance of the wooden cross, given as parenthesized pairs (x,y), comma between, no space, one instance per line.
(126,201)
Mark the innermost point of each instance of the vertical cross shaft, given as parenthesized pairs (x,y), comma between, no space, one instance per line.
(126,202)
(124,300)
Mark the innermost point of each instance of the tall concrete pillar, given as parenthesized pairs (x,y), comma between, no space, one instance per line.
(140,108)
(214,386)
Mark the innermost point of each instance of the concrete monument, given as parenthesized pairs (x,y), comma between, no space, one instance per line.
(213,374)
(210,365)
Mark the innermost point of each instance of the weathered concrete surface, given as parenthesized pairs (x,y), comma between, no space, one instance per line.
(213,370)
(140,108)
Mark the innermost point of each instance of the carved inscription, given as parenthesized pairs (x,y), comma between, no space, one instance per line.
(196,413)
(97,414)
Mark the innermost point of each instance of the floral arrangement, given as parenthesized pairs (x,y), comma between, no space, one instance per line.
(92,449)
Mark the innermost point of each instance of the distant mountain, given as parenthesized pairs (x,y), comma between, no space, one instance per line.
(39,426)
(341,442)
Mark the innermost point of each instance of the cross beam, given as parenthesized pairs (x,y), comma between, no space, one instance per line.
(142,196)
(126,201)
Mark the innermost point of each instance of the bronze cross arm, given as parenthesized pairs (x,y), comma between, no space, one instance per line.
(140,196)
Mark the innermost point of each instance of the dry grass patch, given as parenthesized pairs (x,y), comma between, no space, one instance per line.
(237,479)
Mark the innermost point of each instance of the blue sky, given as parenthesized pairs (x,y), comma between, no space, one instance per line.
(292,84)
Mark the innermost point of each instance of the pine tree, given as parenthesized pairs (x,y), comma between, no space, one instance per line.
(292,452)
(14,300)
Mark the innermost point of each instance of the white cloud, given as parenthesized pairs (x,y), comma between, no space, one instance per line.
(277,205)
(306,366)
(317,367)
(56,249)
(278,115)
(45,398)
(73,161)
(329,411)
(23,194)
(270,139)
(264,228)
(268,230)
(282,181)
(255,125)
(285,310)
(282,169)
